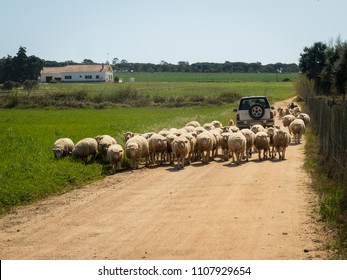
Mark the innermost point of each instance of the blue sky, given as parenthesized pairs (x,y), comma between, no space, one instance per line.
(267,31)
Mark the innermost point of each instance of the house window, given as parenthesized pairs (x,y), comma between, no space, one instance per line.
(97,77)
(88,77)
(68,77)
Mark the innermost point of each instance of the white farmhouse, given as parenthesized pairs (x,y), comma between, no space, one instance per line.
(78,73)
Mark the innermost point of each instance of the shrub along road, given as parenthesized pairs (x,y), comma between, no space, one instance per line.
(258,210)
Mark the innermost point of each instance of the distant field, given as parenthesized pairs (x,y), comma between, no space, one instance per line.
(206,77)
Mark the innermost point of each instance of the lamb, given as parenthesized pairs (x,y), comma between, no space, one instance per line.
(85,148)
(297,128)
(250,136)
(62,147)
(306,118)
(261,142)
(103,144)
(157,148)
(128,135)
(136,148)
(206,144)
(181,150)
(115,156)
(287,119)
(237,145)
(281,141)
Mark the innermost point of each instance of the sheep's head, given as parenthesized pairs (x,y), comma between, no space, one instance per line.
(58,153)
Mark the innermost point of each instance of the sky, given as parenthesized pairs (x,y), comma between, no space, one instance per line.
(151,31)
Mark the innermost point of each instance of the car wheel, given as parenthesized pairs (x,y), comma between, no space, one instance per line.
(256,111)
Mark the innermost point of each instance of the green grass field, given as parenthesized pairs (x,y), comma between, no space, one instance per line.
(28,170)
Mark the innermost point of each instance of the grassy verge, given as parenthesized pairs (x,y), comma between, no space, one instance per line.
(330,193)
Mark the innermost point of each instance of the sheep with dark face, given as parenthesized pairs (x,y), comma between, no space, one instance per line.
(62,147)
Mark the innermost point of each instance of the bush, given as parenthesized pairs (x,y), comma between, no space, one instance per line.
(30,85)
(8,85)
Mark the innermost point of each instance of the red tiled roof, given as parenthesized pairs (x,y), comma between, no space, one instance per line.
(83,68)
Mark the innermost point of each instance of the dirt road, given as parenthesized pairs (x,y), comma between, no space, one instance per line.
(258,210)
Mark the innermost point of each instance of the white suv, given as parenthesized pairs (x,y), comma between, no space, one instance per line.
(254,110)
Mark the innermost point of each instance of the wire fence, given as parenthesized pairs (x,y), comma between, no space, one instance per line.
(330,123)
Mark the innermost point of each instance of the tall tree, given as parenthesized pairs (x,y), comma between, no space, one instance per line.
(312,63)
(340,68)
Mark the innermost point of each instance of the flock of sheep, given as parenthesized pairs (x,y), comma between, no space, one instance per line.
(193,142)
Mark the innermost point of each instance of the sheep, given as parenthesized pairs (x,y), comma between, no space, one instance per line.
(270,133)
(257,128)
(261,142)
(85,148)
(281,141)
(170,138)
(306,118)
(249,134)
(280,111)
(115,156)
(103,145)
(297,128)
(296,111)
(181,150)
(193,123)
(200,129)
(234,128)
(231,122)
(136,148)
(190,128)
(208,126)
(147,135)
(287,119)
(62,147)
(206,144)
(128,135)
(224,145)
(157,148)
(217,135)
(237,145)
(216,124)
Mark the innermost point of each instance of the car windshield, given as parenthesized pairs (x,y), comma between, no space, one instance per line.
(247,103)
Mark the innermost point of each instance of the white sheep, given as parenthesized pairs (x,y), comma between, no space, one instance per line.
(261,143)
(85,148)
(224,145)
(297,128)
(115,156)
(193,123)
(206,144)
(287,119)
(250,136)
(62,147)
(137,148)
(181,150)
(128,135)
(270,133)
(305,117)
(217,124)
(103,144)
(157,148)
(281,141)
(208,126)
(237,145)
(257,128)
(170,138)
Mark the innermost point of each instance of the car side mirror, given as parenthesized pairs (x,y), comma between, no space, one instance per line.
(235,110)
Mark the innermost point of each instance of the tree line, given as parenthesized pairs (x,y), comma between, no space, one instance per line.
(326,66)
(22,67)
